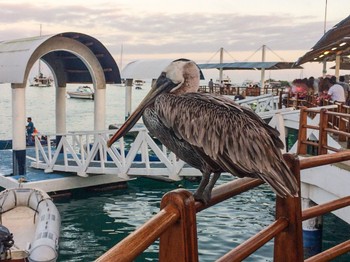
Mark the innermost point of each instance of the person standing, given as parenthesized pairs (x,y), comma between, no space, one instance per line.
(30,130)
(222,87)
(211,86)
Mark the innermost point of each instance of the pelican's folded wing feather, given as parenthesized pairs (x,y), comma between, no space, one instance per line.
(233,136)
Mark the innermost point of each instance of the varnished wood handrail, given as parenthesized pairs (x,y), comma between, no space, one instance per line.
(321,160)
(255,242)
(334,113)
(322,209)
(331,253)
(337,132)
(134,244)
(228,190)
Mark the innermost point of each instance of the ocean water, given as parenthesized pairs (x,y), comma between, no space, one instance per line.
(40,105)
(94,222)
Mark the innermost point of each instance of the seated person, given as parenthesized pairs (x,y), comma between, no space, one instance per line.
(336,92)
(299,87)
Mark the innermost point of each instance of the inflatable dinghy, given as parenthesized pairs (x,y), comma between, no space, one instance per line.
(30,226)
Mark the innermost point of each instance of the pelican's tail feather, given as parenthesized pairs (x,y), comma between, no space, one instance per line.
(282,181)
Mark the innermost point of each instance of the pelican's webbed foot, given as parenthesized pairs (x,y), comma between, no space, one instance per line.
(203,192)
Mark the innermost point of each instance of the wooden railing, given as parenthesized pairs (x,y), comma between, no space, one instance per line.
(175,224)
(332,122)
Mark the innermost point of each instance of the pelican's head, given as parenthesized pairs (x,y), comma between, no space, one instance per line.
(181,76)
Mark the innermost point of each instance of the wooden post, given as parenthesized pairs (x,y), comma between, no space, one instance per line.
(280,97)
(179,242)
(342,123)
(289,243)
(323,133)
(302,147)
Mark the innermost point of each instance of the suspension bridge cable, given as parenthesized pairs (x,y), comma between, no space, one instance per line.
(276,54)
(245,60)
(234,59)
(212,57)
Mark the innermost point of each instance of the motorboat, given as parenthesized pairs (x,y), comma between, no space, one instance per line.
(138,83)
(41,81)
(226,81)
(7,143)
(82,92)
(30,226)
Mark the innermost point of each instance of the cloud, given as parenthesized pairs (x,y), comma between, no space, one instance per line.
(161,32)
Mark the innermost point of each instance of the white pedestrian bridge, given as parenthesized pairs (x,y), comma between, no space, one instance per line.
(87,152)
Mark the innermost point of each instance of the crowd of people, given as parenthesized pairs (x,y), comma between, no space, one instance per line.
(323,88)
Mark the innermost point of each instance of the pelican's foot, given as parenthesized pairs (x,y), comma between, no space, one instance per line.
(203,197)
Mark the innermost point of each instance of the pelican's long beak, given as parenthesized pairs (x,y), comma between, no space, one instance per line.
(163,84)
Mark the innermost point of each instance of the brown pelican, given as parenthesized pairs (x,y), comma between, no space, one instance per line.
(211,133)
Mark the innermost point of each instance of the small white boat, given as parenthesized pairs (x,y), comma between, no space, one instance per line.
(41,81)
(138,83)
(82,92)
(30,226)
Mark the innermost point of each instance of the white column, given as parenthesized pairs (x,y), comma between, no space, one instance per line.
(18,129)
(221,61)
(337,66)
(128,97)
(61,110)
(100,109)
(262,80)
(324,68)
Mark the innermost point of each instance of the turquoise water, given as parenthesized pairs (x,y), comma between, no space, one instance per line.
(94,222)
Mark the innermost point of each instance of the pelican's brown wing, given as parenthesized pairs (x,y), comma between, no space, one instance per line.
(233,136)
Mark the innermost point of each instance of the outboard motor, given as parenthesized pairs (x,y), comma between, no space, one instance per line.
(6,242)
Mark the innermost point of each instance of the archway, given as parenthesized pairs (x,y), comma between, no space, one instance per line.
(72,58)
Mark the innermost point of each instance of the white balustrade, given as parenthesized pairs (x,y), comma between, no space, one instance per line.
(87,152)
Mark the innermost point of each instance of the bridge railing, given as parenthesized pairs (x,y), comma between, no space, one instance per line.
(87,152)
(260,104)
(175,224)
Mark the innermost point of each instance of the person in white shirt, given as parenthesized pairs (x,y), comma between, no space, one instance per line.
(336,92)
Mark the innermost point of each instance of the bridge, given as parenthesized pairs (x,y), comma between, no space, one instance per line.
(85,153)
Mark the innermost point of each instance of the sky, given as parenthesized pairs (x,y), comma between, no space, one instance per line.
(194,29)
